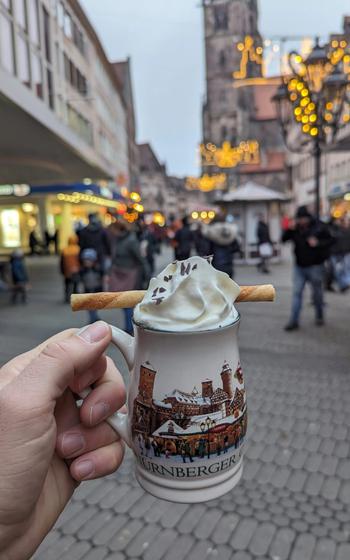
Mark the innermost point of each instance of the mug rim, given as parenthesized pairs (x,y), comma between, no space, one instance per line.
(207,331)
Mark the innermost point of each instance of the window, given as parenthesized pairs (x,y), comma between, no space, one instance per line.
(60,15)
(222,59)
(66,67)
(21,14)
(47,35)
(68,26)
(23,61)
(6,44)
(33,17)
(37,75)
(220,17)
(50,89)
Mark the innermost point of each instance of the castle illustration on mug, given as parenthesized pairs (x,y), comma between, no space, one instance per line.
(188,427)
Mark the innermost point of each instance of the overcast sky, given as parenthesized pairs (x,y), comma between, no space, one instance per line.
(164,39)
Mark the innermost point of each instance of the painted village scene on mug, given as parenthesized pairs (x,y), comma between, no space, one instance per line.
(208,423)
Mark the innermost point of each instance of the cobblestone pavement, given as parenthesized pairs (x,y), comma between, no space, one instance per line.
(293,502)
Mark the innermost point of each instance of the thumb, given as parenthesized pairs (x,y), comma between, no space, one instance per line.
(48,375)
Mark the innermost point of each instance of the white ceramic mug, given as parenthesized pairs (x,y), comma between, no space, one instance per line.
(187,412)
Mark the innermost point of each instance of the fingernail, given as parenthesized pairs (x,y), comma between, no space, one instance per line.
(95,332)
(72,443)
(98,412)
(85,469)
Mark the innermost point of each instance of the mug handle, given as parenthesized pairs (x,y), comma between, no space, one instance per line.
(126,344)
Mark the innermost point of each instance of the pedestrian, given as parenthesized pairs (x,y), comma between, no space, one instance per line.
(226,443)
(312,242)
(183,241)
(19,276)
(129,269)
(155,448)
(91,276)
(264,244)
(94,236)
(70,267)
(201,448)
(338,269)
(186,451)
(34,244)
(223,237)
(42,465)
(201,243)
(149,246)
(218,448)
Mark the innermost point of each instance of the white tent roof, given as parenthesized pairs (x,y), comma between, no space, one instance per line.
(251,192)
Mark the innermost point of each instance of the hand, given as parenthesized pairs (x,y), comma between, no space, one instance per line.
(312,241)
(48,445)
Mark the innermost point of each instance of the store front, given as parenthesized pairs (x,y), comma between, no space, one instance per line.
(61,208)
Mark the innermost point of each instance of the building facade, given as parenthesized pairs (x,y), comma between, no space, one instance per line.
(62,112)
(238,105)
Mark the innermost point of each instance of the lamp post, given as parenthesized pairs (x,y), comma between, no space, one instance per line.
(313,99)
(206,426)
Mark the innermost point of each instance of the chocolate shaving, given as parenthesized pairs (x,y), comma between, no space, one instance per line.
(185,270)
(162,290)
(167,278)
(159,300)
(155,292)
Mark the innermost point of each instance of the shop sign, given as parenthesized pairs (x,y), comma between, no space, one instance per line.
(16,190)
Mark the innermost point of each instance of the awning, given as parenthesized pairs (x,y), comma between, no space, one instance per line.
(338,191)
(77,187)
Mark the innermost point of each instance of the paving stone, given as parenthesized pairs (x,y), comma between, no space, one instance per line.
(154,514)
(98,521)
(298,459)
(344,493)
(330,488)
(87,488)
(314,484)
(262,516)
(191,518)
(99,553)
(281,520)
(328,446)
(173,515)
(325,550)
(341,433)
(319,531)
(110,500)
(99,492)
(329,465)
(139,509)
(281,476)
(313,462)
(110,529)
(74,509)
(313,443)
(57,548)
(304,547)
(283,457)
(344,469)
(262,539)
(251,469)
(266,473)
(338,536)
(126,503)
(223,530)
(242,556)
(343,552)
(297,480)
(184,543)
(282,543)
(202,550)
(243,534)
(77,551)
(49,541)
(301,526)
(254,450)
(125,535)
(207,523)
(163,542)
(342,449)
(116,556)
(73,525)
(143,540)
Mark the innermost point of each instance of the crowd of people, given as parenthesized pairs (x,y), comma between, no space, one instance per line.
(122,256)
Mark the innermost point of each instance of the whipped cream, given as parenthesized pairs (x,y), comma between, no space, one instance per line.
(188,295)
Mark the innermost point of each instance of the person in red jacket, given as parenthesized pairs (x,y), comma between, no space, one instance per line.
(70,267)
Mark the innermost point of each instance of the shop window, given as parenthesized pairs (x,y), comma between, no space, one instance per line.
(23,61)
(10,225)
(47,35)
(37,75)
(6,44)
(33,21)
(220,17)
(21,13)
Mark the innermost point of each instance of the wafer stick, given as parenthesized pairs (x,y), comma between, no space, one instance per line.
(113,300)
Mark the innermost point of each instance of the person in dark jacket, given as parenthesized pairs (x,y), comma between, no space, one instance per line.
(183,241)
(34,244)
(94,236)
(223,244)
(19,276)
(264,244)
(312,242)
(129,268)
(201,243)
(337,265)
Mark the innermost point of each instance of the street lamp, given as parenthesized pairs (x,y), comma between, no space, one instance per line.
(313,98)
(206,426)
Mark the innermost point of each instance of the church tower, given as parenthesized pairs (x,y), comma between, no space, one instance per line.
(146,383)
(226,377)
(233,47)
